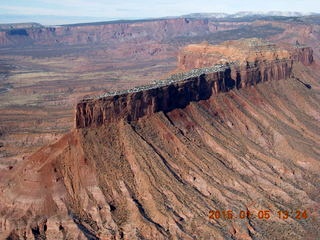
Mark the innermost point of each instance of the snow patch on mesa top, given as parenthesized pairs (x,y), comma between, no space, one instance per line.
(250,14)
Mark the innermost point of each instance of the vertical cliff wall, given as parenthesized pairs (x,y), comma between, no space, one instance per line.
(178,94)
(133,105)
(265,62)
(303,54)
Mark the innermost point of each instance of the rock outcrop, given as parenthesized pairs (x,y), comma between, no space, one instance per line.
(303,54)
(244,63)
(246,51)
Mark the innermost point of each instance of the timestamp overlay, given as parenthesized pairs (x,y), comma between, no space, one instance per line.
(257,210)
(261,218)
(263,214)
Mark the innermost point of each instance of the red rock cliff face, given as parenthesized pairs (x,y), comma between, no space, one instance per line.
(132,106)
(304,55)
(196,85)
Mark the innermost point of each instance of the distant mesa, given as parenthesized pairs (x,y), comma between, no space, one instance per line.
(245,51)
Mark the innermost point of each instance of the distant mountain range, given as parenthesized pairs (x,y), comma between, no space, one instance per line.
(249,14)
(19,21)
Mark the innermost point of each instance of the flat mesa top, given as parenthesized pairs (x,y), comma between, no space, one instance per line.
(178,77)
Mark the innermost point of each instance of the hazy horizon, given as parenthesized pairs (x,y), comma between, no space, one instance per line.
(50,12)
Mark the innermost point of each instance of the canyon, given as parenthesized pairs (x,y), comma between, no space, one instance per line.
(46,70)
(142,129)
(110,33)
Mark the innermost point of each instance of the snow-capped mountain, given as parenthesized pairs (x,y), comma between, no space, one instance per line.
(249,14)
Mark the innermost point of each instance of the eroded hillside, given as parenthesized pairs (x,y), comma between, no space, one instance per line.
(157,176)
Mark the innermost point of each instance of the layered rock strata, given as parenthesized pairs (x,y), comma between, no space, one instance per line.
(267,64)
(245,51)
(110,32)
(162,176)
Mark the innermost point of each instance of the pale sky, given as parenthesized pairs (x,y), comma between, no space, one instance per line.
(59,11)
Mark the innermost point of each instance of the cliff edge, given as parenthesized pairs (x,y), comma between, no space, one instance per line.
(233,64)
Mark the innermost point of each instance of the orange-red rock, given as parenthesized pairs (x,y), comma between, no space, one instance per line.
(158,176)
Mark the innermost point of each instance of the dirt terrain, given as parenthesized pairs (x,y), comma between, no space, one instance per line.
(164,175)
(39,93)
(160,164)
(44,71)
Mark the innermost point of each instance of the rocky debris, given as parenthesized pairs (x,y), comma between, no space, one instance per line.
(174,78)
